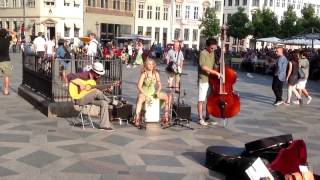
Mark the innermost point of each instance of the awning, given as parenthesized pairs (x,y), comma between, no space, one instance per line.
(269,40)
(68,1)
(77,2)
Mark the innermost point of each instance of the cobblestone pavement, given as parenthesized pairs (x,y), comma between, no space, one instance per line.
(35,147)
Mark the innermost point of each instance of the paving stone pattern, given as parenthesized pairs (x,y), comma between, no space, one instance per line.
(35,147)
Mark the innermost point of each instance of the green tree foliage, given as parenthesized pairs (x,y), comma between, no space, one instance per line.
(210,23)
(288,25)
(308,20)
(264,24)
(238,25)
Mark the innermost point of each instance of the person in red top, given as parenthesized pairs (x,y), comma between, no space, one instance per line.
(5,64)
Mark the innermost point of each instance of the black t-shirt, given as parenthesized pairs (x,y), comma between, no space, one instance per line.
(4,48)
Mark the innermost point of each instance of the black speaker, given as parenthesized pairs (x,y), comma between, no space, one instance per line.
(182,111)
(123,112)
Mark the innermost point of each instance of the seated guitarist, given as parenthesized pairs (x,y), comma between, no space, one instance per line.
(95,96)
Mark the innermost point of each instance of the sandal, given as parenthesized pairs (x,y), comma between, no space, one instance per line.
(136,121)
(165,120)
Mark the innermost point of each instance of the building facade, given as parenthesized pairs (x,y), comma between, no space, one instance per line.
(251,6)
(56,18)
(153,18)
(109,19)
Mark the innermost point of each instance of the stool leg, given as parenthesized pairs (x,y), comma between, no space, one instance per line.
(89,117)
(81,116)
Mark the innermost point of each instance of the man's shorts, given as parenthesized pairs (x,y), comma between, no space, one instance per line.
(6,68)
(301,84)
(203,90)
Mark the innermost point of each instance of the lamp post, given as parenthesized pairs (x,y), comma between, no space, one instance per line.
(97,28)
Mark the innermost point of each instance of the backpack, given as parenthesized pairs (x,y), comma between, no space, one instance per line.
(67,55)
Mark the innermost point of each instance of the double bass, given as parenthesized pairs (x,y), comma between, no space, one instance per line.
(223,102)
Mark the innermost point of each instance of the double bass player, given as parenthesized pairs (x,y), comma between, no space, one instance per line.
(205,69)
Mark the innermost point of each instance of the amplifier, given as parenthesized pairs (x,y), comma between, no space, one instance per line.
(182,111)
(123,112)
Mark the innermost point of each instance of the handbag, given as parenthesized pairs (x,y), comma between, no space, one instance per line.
(170,68)
(301,74)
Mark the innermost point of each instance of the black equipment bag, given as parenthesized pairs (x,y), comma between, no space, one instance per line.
(227,161)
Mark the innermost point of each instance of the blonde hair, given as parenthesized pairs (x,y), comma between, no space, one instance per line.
(144,69)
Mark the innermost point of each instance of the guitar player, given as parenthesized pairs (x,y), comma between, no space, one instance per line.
(95,96)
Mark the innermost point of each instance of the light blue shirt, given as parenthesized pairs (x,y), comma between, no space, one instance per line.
(282,68)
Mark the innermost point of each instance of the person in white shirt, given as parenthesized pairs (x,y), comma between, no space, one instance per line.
(93,46)
(50,50)
(39,44)
(175,57)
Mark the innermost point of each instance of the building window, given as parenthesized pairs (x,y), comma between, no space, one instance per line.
(186,34)
(278,3)
(229,2)
(149,12)
(223,18)
(318,9)
(92,3)
(66,3)
(217,6)
(178,11)
(195,35)
(31,3)
(140,30)
(157,13)
(149,31)
(104,3)
(177,34)
(76,31)
(196,13)
(76,3)
(294,4)
(299,4)
(244,2)
(127,5)
(0,24)
(187,15)
(49,3)
(228,16)
(271,3)
(237,3)
(165,13)
(283,3)
(66,31)
(265,3)
(8,25)
(256,3)
(140,11)
(289,3)
(116,4)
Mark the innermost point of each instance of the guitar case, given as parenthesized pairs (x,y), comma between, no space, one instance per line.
(227,160)
(267,148)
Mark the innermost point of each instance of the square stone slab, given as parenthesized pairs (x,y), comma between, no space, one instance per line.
(14,138)
(83,148)
(39,159)
(6,150)
(118,140)
(160,160)
(6,172)
(114,159)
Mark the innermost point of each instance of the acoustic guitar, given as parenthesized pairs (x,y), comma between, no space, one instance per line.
(90,85)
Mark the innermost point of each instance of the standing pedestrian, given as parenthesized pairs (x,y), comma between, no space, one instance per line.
(301,86)
(5,64)
(279,76)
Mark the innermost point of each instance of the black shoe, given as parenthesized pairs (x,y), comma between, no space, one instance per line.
(300,101)
(107,129)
